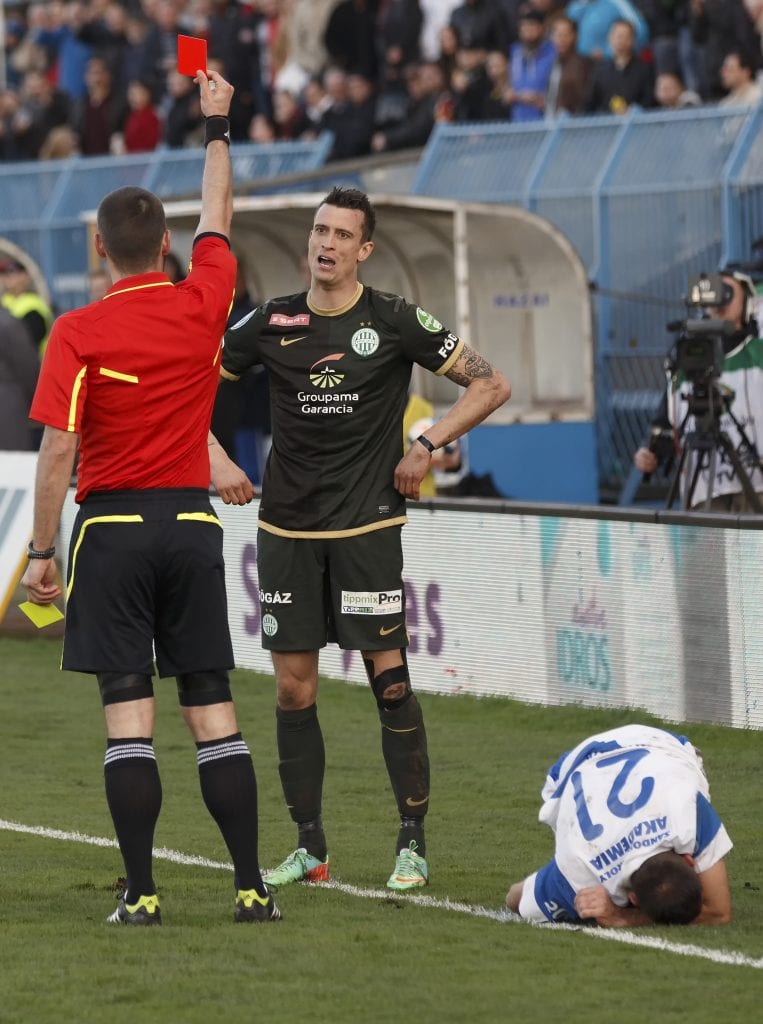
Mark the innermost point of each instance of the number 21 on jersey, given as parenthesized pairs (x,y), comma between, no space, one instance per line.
(630,758)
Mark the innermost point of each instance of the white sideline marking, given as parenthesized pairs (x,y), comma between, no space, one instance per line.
(718,956)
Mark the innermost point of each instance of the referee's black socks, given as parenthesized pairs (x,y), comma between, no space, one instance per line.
(134,795)
(229,789)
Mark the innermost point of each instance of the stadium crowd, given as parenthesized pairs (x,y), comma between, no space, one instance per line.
(99,76)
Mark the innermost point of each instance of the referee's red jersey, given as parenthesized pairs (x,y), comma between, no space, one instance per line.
(135,375)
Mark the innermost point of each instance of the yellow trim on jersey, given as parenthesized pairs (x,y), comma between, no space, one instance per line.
(227,375)
(355,531)
(138,287)
(201,517)
(129,377)
(340,309)
(219,353)
(89,522)
(75,396)
(451,358)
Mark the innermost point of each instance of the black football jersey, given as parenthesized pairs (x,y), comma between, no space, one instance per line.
(338,389)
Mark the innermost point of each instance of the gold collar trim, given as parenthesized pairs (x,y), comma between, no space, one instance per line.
(339,309)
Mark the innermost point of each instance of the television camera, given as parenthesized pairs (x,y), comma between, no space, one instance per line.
(695,365)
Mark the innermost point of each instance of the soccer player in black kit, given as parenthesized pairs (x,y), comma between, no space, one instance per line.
(339,360)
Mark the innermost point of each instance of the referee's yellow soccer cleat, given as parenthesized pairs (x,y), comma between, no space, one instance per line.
(143,912)
(256,909)
(411,871)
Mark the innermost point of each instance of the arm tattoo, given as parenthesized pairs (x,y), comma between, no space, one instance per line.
(474,367)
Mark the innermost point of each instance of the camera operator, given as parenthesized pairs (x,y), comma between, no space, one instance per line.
(742,375)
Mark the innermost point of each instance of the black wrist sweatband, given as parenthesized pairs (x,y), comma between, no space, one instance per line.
(32,553)
(423,439)
(216,129)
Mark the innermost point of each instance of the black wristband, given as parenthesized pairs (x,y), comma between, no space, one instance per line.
(423,439)
(216,129)
(31,553)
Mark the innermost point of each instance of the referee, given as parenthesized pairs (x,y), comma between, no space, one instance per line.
(132,378)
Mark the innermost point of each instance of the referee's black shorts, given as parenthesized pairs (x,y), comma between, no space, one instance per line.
(146,577)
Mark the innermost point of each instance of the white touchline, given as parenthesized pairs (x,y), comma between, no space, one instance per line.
(718,956)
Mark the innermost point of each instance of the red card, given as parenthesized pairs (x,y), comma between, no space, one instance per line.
(192,55)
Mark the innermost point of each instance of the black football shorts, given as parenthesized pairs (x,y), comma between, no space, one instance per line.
(345,590)
(146,579)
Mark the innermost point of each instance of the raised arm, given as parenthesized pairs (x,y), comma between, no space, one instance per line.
(217,182)
(486,389)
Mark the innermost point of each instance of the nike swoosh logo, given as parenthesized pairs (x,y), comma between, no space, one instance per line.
(416,803)
(290,341)
(386,632)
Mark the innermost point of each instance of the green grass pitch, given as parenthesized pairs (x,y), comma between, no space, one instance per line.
(339,957)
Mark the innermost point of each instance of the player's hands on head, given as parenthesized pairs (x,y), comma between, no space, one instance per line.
(215,94)
(594,904)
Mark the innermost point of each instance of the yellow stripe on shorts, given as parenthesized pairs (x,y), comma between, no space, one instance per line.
(200,517)
(89,522)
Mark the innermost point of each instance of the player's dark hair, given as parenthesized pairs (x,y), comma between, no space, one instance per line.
(668,889)
(131,224)
(354,199)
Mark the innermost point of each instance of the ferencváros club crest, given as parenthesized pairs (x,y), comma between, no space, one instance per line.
(365,341)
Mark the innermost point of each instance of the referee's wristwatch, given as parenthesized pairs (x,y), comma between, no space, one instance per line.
(32,553)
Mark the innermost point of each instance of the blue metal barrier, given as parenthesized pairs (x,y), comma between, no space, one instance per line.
(647,200)
(41,203)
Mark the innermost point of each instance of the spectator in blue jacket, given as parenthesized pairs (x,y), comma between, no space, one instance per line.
(531,61)
(67,50)
(595,18)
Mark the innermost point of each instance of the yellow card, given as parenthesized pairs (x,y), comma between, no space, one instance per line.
(41,614)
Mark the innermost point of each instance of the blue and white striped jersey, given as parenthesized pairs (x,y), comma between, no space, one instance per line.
(613,801)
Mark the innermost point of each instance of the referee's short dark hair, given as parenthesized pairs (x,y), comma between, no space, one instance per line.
(668,889)
(354,199)
(131,224)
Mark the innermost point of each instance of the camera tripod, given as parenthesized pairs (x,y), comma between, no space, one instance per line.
(705,442)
